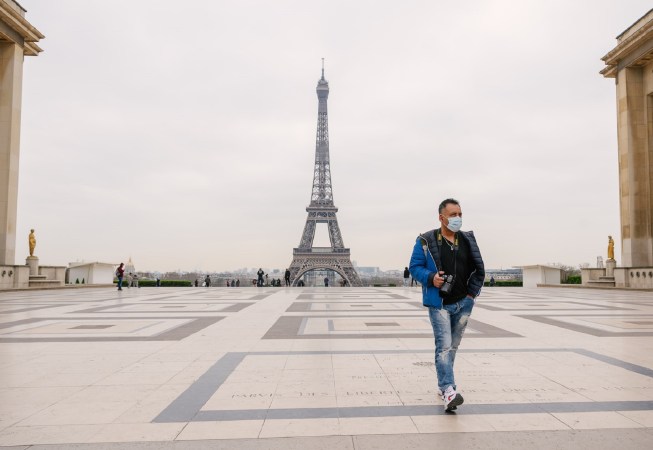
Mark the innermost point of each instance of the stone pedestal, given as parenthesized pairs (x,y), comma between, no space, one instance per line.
(610,265)
(33,263)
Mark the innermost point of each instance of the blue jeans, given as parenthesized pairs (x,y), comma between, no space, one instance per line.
(449,324)
(120,283)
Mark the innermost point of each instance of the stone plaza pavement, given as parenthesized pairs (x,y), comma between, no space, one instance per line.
(255,368)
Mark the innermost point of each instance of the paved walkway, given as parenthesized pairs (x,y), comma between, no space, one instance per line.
(254,368)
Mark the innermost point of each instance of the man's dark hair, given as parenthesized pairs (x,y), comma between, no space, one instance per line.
(446,202)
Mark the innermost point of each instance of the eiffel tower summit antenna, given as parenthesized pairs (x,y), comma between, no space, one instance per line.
(307,258)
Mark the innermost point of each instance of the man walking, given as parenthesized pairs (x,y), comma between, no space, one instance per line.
(406,276)
(259,281)
(448,264)
(120,272)
(287,277)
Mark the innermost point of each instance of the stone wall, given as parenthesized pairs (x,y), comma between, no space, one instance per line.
(591,274)
(634,277)
(53,272)
(14,277)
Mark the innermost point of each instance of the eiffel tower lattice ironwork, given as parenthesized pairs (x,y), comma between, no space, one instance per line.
(322,210)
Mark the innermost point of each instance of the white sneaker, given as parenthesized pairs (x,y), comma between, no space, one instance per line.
(442,398)
(452,399)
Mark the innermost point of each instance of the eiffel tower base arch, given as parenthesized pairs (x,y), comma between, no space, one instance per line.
(338,262)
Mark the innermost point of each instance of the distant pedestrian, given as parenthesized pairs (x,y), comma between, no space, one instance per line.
(158,282)
(492,282)
(135,280)
(130,280)
(406,276)
(120,272)
(266,280)
(326,281)
(238,282)
(207,281)
(287,277)
(197,282)
(259,281)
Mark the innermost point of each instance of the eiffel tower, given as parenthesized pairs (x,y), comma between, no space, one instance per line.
(322,210)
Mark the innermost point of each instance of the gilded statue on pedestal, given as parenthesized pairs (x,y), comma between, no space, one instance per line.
(32,242)
(610,248)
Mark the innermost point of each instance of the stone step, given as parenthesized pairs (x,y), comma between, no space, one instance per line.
(38,277)
(606,279)
(42,283)
(602,283)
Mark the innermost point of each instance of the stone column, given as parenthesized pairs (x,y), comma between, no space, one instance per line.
(631,64)
(11,76)
(635,175)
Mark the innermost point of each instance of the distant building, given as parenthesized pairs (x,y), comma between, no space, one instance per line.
(368,271)
(91,272)
(129,267)
(504,274)
(540,274)
(393,273)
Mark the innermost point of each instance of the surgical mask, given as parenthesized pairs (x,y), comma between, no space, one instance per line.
(455,224)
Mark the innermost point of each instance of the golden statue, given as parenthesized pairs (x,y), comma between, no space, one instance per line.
(32,242)
(610,248)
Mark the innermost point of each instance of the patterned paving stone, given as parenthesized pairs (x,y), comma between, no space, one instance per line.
(245,364)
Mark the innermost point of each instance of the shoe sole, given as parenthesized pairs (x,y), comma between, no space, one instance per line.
(453,404)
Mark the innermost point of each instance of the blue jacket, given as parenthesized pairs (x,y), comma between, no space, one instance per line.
(423,268)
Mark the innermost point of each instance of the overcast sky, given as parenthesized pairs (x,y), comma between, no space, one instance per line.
(182,134)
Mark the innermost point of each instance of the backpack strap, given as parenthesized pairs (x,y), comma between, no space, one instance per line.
(425,244)
(428,240)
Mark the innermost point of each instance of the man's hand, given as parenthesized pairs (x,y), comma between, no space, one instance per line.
(438,280)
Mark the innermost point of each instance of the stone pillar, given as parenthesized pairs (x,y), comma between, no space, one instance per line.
(631,64)
(635,177)
(11,76)
(610,265)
